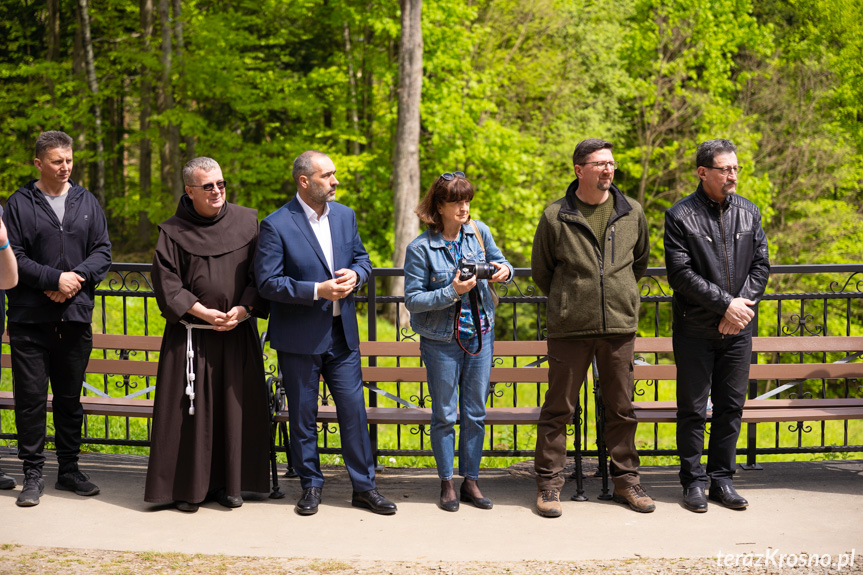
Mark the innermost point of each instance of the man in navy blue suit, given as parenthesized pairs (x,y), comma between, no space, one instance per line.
(310,260)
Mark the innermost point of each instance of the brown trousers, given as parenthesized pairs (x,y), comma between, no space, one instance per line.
(568,362)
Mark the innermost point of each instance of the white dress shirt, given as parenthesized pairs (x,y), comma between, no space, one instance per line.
(321,228)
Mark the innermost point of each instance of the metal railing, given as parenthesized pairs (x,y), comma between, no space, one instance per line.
(801,300)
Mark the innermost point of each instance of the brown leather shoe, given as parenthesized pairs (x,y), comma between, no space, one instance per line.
(635,497)
(548,503)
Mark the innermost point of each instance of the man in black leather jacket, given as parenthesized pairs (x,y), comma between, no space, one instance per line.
(718,266)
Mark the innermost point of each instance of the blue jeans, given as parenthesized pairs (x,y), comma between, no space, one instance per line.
(457,381)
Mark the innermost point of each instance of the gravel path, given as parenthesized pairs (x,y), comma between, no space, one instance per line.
(24,560)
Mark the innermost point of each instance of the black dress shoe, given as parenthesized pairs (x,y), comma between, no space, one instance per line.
(229,501)
(694,499)
(447,504)
(481,502)
(309,502)
(185,506)
(372,499)
(726,495)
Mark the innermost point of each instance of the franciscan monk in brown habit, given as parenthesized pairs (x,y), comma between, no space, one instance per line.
(210,435)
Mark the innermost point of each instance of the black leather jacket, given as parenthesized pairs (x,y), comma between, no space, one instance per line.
(713,253)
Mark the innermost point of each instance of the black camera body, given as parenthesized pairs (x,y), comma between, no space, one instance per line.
(481,270)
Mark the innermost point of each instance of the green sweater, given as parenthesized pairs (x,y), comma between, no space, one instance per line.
(591,283)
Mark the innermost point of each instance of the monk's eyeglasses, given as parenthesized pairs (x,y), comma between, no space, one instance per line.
(210,187)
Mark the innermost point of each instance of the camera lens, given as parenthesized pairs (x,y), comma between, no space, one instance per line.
(484,271)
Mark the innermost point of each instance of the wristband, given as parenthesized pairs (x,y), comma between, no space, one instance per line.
(248,310)
(4,246)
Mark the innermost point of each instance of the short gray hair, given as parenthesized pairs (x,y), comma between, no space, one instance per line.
(202,163)
(303,165)
(707,151)
(51,140)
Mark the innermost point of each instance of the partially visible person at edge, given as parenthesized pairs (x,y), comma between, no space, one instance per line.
(310,261)
(591,248)
(60,238)
(8,279)
(211,441)
(718,266)
(440,307)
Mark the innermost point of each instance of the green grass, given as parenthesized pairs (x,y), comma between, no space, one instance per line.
(649,436)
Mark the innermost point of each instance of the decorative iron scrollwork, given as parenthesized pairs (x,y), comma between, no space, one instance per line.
(800,323)
(647,290)
(406,334)
(799,427)
(834,284)
(123,280)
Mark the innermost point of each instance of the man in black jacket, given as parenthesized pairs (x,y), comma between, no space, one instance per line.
(60,238)
(718,266)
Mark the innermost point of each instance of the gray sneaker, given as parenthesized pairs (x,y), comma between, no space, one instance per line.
(34,485)
(76,480)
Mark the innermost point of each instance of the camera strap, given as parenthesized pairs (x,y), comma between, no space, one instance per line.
(474,312)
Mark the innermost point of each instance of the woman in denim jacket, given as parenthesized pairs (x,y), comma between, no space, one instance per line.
(433,291)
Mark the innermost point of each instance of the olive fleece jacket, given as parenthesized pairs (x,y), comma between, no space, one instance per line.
(592,285)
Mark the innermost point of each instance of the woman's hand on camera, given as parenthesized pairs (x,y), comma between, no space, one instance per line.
(502,273)
(462,287)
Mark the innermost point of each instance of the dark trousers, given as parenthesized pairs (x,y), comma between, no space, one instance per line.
(718,368)
(341,369)
(568,362)
(58,352)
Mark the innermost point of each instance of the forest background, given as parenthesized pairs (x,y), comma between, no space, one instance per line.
(508,88)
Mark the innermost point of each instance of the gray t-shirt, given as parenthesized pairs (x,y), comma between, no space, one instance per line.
(58,204)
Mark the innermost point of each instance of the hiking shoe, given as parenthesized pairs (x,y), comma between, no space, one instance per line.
(7,482)
(635,497)
(548,503)
(77,481)
(34,485)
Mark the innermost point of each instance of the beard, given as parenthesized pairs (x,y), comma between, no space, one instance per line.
(322,193)
(729,189)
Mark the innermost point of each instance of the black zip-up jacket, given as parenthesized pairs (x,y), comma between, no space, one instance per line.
(713,253)
(46,247)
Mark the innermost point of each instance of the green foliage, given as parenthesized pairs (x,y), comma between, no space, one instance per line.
(509,88)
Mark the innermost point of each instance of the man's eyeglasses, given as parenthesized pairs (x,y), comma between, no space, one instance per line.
(451,175)
(727,170)
(601,165)
(210,187)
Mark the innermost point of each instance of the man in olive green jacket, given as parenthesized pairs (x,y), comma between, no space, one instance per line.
(591,248)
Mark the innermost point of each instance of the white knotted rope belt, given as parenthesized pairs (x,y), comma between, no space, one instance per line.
(190,358)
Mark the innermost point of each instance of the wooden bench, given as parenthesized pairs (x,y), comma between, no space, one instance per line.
(95,401)
(755,410)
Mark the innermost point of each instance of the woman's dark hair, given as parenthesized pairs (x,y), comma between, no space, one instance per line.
(441,191)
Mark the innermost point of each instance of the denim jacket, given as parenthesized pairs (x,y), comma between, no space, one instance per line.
(429,272)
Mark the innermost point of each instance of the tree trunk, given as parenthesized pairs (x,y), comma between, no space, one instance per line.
(93,84)
(53,35)
(188,139)
(145,162)
(169,151)
(406,162)
(353,114)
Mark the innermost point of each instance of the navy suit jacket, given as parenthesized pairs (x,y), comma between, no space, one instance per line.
(288,263)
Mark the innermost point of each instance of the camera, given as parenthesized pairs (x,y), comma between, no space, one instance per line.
(481,270)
